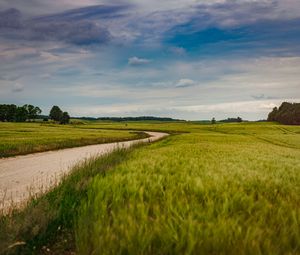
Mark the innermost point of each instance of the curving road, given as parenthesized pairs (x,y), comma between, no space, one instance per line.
(25,176)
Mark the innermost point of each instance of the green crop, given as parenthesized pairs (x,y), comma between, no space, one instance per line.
(221,189)
(24,138)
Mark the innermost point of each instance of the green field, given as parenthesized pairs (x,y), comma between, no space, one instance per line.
(217,189)
(224,189)
(24,138)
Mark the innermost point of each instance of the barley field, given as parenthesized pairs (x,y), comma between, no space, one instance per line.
(25,138)
(220,189)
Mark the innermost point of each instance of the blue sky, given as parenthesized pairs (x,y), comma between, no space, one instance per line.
(185,59)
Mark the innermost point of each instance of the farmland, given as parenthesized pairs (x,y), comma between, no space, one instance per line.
(207,189)
(24,138)
(224,189)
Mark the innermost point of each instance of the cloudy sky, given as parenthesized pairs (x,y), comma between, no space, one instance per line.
(189,59)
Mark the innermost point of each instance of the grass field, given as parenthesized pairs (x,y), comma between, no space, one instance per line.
(219,189)
(24,138)
(224,189)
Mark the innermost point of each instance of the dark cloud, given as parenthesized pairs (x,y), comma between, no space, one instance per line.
(80,32)
(99,12)
(249,24)
(10,19)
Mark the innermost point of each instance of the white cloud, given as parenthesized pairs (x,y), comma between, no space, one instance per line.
(135,61)
(216,87)
(182,83)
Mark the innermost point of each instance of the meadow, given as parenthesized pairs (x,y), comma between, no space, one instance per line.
(206,189)
(25,138)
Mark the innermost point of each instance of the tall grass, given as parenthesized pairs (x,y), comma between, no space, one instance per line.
(46,225)
(208,192)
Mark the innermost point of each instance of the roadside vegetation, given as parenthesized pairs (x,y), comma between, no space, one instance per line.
(215,189)
(46,225)
(25,138)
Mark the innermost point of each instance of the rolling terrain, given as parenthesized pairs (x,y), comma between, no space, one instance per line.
(209,189)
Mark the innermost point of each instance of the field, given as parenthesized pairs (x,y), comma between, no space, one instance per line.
(24,138)
(216,189)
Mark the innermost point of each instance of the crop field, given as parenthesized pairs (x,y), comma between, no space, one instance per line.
(24,138)
(215,189)
(223,189)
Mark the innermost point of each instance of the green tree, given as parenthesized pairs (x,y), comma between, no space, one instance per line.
(65,118)
(287,113)
(213,121)
(11,112)
(21,114)
(56,113)
(33,111)
(273,114)
(2,112)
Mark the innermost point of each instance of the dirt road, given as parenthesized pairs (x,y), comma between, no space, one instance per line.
(24,176)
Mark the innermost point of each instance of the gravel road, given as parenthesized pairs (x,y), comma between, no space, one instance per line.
(25,176)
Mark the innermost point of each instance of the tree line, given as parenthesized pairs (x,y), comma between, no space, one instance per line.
(12,112)
(28,112)
(228,120)
(287,113)
(232,120)
(141,118)
(121,119)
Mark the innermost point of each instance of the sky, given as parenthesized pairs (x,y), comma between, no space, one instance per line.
(186,59)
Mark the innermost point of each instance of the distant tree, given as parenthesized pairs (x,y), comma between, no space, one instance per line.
(273,114)
(3,110)
(142,118)
(213,121)
(21,114)
(65,118)
(56,113)
(7,112)
(296,114)
(33,111)
(232,120)
(11,112)
(287,113)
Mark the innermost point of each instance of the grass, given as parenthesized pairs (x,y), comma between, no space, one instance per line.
(25,138)
(224,189)
(46,225)
(219,189)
